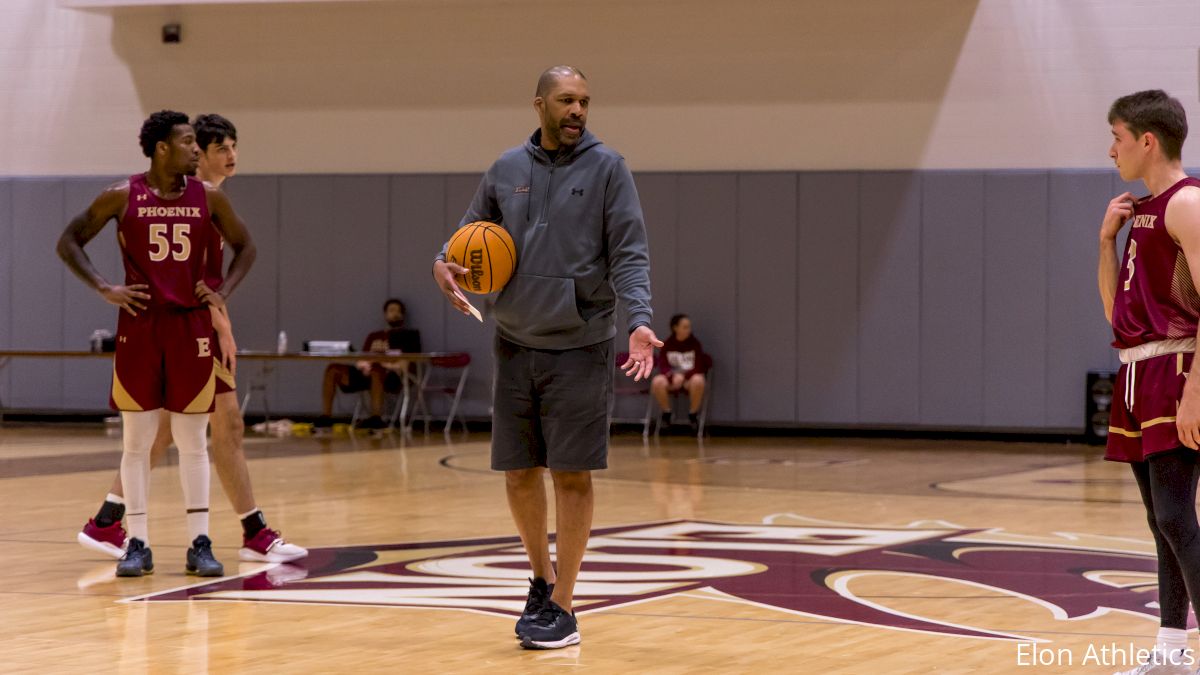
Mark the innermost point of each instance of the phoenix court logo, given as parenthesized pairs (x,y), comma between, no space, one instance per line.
(788,563)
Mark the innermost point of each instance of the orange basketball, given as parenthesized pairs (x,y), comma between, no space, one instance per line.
(487,251)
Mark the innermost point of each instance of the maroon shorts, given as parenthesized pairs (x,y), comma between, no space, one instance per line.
(225,380)
(164,359)
(1145,402)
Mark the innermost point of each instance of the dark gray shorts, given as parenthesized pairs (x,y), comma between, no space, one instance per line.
(551,408)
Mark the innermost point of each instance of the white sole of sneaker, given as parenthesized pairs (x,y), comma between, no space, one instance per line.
(572,639)
(99,546)
(250,555)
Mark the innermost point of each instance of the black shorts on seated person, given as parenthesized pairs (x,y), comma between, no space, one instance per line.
(359,382)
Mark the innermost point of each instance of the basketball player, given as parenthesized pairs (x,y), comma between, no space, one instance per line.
(571,207)
(1152,303)
(217,138)
(166,221)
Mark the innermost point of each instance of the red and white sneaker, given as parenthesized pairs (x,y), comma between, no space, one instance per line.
(268,546)
(107,540)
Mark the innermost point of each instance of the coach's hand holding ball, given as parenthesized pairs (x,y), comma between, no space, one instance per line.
(445,274)
(480,258)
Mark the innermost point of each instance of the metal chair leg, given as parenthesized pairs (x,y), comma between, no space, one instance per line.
(703,420)
(649,416)
(458,391)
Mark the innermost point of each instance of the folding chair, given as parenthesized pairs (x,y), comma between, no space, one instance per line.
(451,388)
(623,386)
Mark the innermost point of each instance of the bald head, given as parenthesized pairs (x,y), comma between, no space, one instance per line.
(552,75)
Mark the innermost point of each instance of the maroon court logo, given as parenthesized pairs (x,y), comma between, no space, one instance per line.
(788,563)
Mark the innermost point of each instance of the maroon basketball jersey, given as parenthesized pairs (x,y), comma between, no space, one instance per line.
(164,241)
(1156,299)
(214,262)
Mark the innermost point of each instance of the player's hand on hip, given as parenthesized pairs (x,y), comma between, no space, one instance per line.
(1120,209)
(208,295)
(642,342)
(127,298)
(1187,420)
(444,274)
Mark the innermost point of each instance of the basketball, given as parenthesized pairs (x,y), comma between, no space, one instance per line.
(487,251)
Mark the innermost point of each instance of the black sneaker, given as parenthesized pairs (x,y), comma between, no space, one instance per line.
(553,628)
(137,560)
(324,422)
(535,602)
(694,423)
(664,423)
(200,560)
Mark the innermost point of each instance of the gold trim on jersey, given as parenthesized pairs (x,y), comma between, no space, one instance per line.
(1157,421)
(1145,425)
(223,373)
(121,396)
(204,400)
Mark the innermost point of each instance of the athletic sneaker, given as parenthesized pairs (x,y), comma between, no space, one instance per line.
(137,560)
(553,628)
(1161,663)
(535,602)
(269,546)
(323,423)
(200,560)
(107,540)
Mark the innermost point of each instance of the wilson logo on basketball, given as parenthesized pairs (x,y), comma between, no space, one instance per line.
(488,253)
(476,267)
(806,567)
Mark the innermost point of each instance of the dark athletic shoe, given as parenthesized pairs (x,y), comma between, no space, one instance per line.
(553,628)
(137,560)
(200,560)
(535,602)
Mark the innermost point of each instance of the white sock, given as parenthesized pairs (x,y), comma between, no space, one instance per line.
(137,437)
(1172,639)
(243,516)
(115,499)
(190,433)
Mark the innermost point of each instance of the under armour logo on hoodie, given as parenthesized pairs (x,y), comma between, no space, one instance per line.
(577,192)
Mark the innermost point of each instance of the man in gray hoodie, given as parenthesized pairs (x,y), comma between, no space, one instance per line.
(571,207)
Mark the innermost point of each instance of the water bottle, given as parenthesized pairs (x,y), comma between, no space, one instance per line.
(281,344)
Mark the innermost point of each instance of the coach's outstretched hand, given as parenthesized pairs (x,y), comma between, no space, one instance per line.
(642,342)
(126,297)
(444,273)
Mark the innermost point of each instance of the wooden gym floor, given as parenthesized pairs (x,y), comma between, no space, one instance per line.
(802,555)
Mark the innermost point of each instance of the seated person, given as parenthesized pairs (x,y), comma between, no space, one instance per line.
(681,365)
(378,377)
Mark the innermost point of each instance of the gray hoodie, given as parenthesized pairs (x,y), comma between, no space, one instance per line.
(581,243)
